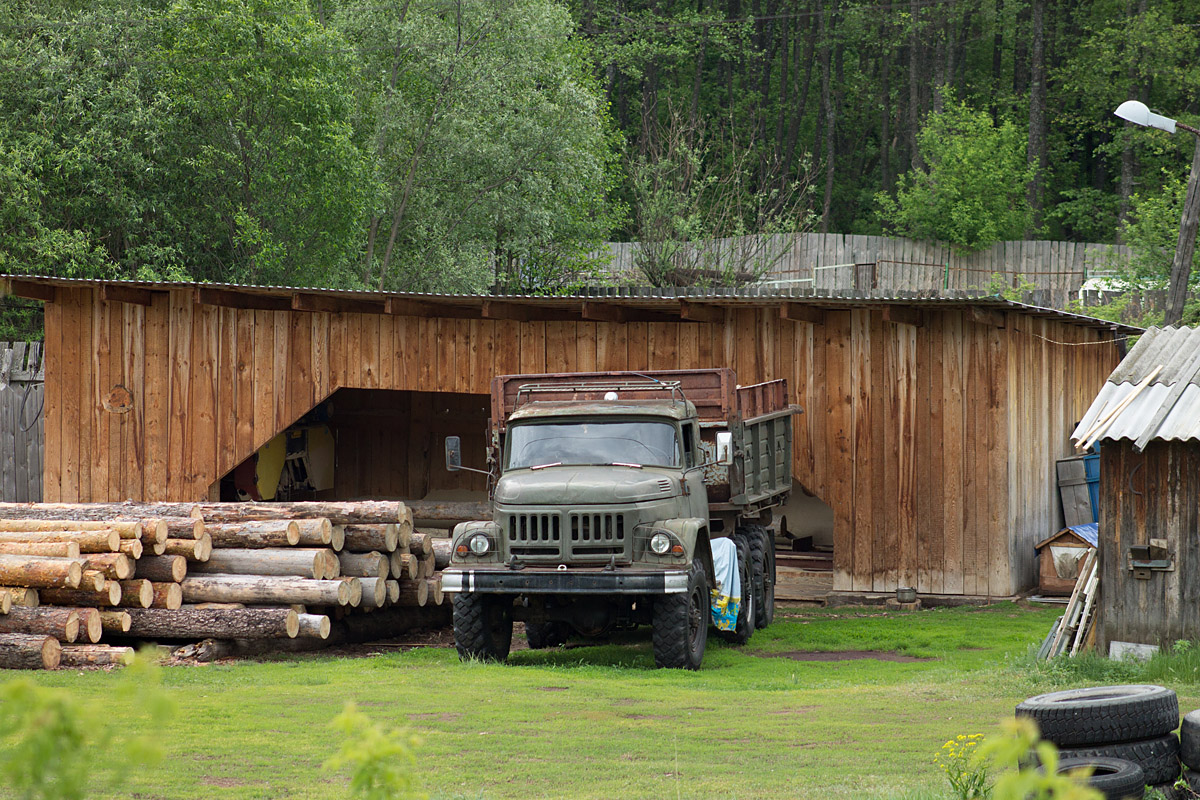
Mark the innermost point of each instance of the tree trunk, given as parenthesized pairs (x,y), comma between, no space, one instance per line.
(96,655)
(18,596)
(369,538)
(1037,115)
(117,566)
(420,544)
(92,579)
(191,549)
(436,597)
(239,623)
(830,120)
(105,541)
(40,572)
(425,566)
(100,512)
(314,626)
(184,527)
(29,651)
(91,626)
(154,531)
(315,532)
(364,565)
(171,569)
(424,511)
(403,565)
(166,595)
(58,549)
(258,534)
(413,593)
(374,592)
(61,623)
(110,595)
(130,547)
(393,592)
(298,562)
(136,593)
(364,511)
(268,589)
(114,621)
(443,548)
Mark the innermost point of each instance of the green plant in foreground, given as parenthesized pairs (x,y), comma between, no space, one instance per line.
(968,775)
(52,745)
(382,761)
(1019,781)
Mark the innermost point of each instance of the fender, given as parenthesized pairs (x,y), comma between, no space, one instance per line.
(693,533)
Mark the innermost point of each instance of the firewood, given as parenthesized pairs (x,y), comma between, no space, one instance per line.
(29,651)
(363,511)
(366,538)
(170,569)
(91,627)
(315,532)
(198,549)
(240,623)
(110,595)
(313,626)
(96,655)
(40,572)
(374,592)
(132,548)
(102,541)
(117,566)
(136,593)
(114,621)
(299,562)
(127,529)
(268,589)
(443,548)
(413,593)
(61,623)
(403,565)
(18,596)
(269,533)
(364,565)
(94,511)
(184,527)
(59,549)
(166,595)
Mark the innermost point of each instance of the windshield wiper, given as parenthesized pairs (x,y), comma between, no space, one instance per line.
(543,466)
(623,464)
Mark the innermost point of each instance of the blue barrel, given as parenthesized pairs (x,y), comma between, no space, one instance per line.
(1091,470)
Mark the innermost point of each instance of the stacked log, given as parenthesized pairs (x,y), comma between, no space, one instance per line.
(88,576)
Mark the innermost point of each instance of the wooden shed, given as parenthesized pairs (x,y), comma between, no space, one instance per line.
(1150,491)
(931,428)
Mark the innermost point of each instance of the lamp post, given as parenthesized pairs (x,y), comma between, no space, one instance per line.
(1181,267)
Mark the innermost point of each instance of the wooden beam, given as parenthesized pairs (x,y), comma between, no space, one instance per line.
(233,299)
(987,316)
(903,315)
(616,312)
(701,312)
(527,312)
(335,304)
(406,307)
(114,293)
(30,290)
(799,312)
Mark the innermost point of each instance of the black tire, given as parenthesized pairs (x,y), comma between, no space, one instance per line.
(744,629)
(762,570)
(1158,757)
(1192,779)
(1115,778)
(680,623)
(482,626)
(544,635)
(1103,714)
(1189,740)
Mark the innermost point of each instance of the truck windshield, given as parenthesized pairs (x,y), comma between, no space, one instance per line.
(617,442)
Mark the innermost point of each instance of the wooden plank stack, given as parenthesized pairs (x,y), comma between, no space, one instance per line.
(75,579)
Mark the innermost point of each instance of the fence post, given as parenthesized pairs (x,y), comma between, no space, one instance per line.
(946,278)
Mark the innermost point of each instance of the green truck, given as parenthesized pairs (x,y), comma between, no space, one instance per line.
(608,492)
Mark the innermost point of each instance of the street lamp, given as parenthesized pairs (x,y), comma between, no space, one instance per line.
(1181,267)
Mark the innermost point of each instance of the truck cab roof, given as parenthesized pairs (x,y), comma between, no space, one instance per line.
(670,409)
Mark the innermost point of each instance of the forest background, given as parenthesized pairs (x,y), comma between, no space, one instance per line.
(475,145)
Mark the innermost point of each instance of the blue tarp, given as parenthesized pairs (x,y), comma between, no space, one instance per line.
(1090,533)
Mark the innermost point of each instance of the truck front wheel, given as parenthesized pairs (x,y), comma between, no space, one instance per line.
(483,626)
(680,623)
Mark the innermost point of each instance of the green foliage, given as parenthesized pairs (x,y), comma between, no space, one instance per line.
(972,194)
(382,762)
(967,775)
(54,746)
(1153,232)
(999,286)
(21,320)
(1011,748)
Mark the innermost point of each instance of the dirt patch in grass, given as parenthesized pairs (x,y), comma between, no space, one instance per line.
(841,655)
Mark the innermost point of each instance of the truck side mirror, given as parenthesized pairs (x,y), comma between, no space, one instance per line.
(454,454)
(724,448)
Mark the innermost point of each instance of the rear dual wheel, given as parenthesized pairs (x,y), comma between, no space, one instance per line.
(761,545)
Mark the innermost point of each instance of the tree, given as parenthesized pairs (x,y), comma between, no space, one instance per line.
(1152,232)
(490,141)
(972,192)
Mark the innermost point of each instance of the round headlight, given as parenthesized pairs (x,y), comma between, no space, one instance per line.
(660,543)
(479,544)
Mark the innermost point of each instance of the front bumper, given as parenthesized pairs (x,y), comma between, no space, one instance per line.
(555,581)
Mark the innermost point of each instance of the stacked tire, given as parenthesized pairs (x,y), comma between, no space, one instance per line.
(1189,750)
(1133,723)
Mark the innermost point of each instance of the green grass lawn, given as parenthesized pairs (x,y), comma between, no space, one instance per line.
(600,722)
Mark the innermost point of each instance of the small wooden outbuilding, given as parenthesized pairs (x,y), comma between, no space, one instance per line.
(1150,491)
(931,424)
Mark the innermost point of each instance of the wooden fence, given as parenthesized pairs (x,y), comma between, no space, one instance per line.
(21,397)
(879,264)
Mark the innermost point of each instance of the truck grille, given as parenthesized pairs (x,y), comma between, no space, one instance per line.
(597,534)
(535,534)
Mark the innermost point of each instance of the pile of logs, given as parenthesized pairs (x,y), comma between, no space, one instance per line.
(80,582)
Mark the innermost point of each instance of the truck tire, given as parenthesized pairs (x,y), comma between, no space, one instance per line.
(745,621)
(1158,757)
(544,635)
(483,626)
(1189,740)
(1103,714)
(762,570)
(1115,778)
(680,623)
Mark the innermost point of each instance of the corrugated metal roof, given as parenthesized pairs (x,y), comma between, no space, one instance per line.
(1166,409)
(650,298)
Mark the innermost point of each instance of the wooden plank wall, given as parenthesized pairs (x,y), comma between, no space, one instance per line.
(21,422)
(1150,495)
(908,432)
